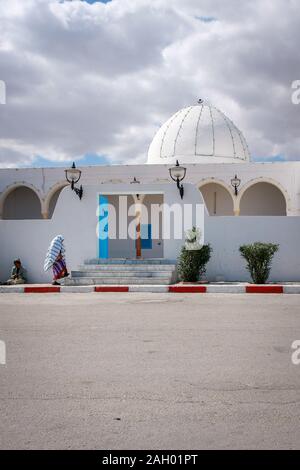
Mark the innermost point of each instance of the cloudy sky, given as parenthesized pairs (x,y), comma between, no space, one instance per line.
(93,80)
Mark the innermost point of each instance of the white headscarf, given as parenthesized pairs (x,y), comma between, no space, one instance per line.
(56,247)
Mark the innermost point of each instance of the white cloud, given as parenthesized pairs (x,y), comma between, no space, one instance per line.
(100,78)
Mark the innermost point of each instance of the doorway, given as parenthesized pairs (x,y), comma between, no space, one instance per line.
(130,226)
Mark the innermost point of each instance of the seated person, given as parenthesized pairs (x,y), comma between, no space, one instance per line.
(18,274)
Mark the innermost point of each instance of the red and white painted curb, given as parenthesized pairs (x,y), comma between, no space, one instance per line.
(242,288)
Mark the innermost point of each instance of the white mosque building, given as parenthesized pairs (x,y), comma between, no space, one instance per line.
(234,201)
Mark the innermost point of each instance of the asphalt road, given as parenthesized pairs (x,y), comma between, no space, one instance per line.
(149,371)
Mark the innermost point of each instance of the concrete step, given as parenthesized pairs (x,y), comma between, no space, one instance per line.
(112,261)
(126,268)
(123,274)
(87,281)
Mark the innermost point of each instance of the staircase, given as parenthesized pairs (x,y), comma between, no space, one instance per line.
(123,272)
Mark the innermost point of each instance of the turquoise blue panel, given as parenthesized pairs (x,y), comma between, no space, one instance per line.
(146,240)
(103,227)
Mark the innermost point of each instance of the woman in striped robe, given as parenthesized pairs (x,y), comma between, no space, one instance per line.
(55,258)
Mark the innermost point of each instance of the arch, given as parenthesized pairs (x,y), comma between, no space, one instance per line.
(218,197)
(51,198)
(36,209)
(270,198)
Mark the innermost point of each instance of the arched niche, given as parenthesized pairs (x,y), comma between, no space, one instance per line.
(263,198)
(21,202)
(217,198)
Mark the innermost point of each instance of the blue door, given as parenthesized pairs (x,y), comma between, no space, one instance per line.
(103,227)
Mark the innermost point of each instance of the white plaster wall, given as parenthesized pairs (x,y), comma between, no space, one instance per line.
(29,239)
(191,196)
(77,221)
(287,174)
(226,234)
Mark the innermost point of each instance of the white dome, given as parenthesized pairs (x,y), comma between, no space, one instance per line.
(198,134)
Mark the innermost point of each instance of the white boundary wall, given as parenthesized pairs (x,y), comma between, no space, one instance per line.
(226,234)
(77,221)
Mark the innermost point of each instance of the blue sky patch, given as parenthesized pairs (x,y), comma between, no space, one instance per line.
(96,1)
(87,160)
(274,158)
(206,19)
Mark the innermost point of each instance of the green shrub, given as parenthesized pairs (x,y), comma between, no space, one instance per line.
(192,263)
(259,258)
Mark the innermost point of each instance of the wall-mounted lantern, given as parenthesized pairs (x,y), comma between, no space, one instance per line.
(235,182)
(177,173)
(135,181)
(73,175)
